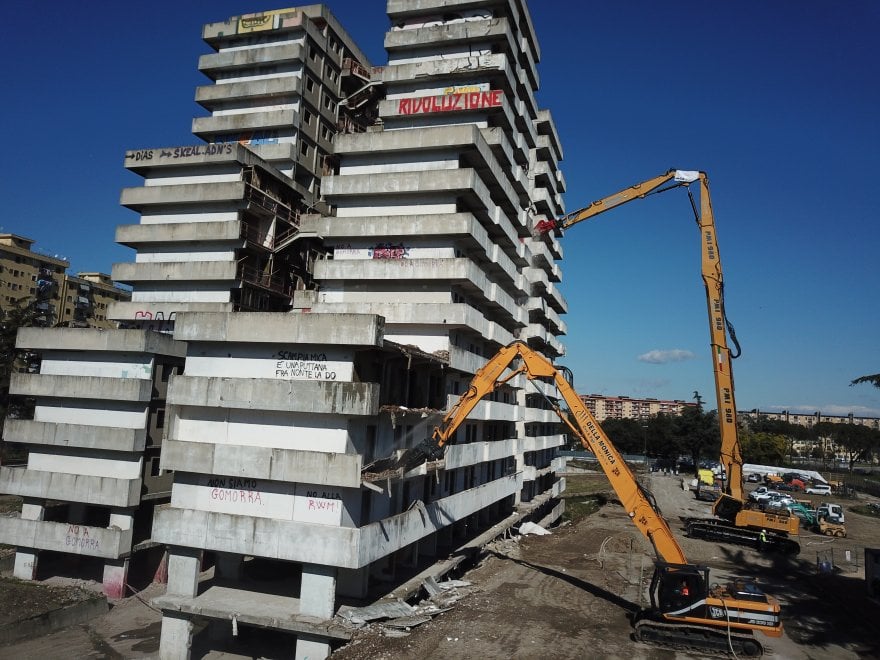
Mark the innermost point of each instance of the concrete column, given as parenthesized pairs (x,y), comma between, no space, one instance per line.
(311,648)
(318,591)
(26,559)
(175,641)
(33,509)
(317,598)
(116,570)
(115,577)
(25,567)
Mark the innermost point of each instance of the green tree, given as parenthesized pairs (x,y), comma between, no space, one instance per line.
(625,434)
(763,448)
(874,379)
(697,434)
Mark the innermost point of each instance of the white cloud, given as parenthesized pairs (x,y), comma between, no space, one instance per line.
(664,357)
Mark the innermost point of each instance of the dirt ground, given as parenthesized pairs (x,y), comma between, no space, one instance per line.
(567,595)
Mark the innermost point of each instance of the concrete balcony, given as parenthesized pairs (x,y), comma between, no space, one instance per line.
(546,150)
(451,315)
(470,236)
(90,339)
(348,329)
(177,271)
(65,537)
(541,442)
(331,397)
(475,453)
(462,272)
(313,467)
(102,491)
(287,88)
(488,30)
(247,121)
(119,311)
(538,415)
(146,198)
(27,431)
(490,411)
(343,547)
(466,141)
(81,387)
(251,58)
(134,236)
(546,126)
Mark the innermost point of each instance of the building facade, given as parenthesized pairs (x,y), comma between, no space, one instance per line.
(624,407)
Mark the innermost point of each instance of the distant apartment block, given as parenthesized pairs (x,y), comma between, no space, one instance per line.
(624,407)
(28,277)
(811,419)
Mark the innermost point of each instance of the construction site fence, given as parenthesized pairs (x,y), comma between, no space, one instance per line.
(836,556)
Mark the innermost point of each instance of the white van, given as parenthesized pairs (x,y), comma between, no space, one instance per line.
(819,489)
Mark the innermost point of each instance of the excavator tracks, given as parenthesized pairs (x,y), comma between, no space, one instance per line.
(697,639)
(711,529)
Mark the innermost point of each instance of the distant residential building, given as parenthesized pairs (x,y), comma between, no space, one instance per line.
(811,419)
(84,300)
(29,277)
(624,407)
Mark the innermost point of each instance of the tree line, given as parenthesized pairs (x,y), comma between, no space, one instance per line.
(764,441)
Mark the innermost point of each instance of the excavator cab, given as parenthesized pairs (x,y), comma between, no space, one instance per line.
(680,590)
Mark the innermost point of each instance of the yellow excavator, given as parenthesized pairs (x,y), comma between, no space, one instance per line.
(736,519)
(687,611)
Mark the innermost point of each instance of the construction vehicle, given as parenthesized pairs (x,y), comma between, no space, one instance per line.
(703,616)
(828,528)
(734,521)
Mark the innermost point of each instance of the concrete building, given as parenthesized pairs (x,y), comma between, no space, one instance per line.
(624,407)
(810,419)
(391,210)
(29,277)
(84,300)
(92,473)
(220,222)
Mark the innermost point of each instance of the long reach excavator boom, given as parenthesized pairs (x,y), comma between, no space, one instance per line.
(736,521)
(686,612)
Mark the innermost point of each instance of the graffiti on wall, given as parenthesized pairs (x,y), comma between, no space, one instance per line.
(178,152)
(78,537)
(450,102)
(389,251)
(235,490)
(297,365)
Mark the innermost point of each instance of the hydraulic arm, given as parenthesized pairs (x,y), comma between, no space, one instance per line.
(685,610)
(745,523)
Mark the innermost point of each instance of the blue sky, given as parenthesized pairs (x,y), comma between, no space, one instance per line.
(776,101)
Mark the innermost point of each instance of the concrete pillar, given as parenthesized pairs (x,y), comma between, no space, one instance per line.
(26,559)
(228,565)
(175,641)
(25,567)
(115,577)
(116,570)
(311,648)
(317,598)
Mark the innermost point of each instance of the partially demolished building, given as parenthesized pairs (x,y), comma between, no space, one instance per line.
(334,263)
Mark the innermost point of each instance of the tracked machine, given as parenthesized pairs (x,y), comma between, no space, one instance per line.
(688,611)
